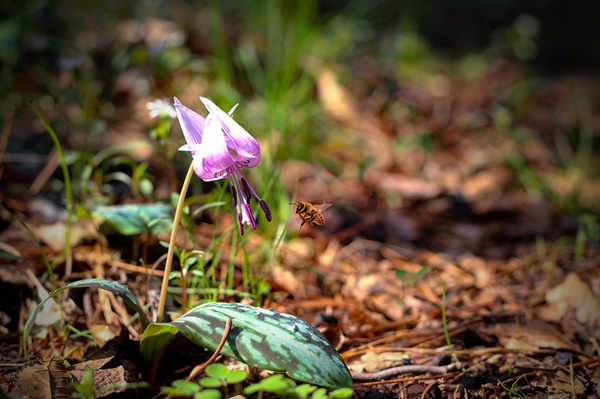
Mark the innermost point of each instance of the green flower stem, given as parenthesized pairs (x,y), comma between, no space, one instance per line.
(169,264)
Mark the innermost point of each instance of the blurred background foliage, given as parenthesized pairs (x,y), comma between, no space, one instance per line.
(91,66)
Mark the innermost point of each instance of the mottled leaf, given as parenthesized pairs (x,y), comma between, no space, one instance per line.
(130,219)
(260,338)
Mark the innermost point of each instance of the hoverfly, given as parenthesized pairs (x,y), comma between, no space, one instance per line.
(310,213)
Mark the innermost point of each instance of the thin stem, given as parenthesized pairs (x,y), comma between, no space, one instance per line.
(396,371)
(445,322)
(171,251)
(68,191)
(200,368)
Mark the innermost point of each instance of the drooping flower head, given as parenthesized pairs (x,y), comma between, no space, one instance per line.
(221,149)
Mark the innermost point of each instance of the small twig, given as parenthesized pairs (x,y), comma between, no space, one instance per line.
(413,369)
(200,368)
(427,389)
(411,379)
(458,392)
(52,162)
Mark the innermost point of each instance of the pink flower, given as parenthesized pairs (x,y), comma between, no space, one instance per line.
(221,149)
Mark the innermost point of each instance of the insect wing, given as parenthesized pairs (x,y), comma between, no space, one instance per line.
(326,205)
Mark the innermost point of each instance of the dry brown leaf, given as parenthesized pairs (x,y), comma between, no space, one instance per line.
(106,381)
(285,278)
(50,312)
(336,100)
(559,384)
(339,103)
(15,274)
(363,287)
(530,336)
(481,184)
(406,186)
(47,380)
(595,377)
(483,271)
(358,321)
(373,362)
(51,379)
(573,295)
(102,333)
(389,304)
(53,235)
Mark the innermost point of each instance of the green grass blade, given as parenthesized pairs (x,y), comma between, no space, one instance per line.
(68,190)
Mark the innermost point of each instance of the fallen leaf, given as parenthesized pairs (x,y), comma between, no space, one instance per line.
(336,99)
(559,384)
(53,235)
(47,380)
(106,381)
(573,295)
(530,336)
(359,321)
(102,333)
(373,362)
(50,313)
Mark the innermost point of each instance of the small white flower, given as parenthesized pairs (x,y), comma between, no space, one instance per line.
(161,108)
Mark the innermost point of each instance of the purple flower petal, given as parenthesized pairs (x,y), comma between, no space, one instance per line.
(192,123)
(215,161)
(244,145)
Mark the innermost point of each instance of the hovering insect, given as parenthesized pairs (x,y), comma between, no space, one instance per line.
(310,213)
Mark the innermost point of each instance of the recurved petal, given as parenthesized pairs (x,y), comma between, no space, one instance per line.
(192,123)
(237,138)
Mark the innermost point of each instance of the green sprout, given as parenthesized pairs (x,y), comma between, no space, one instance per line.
(190,389)
(220,376)
(284,387)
